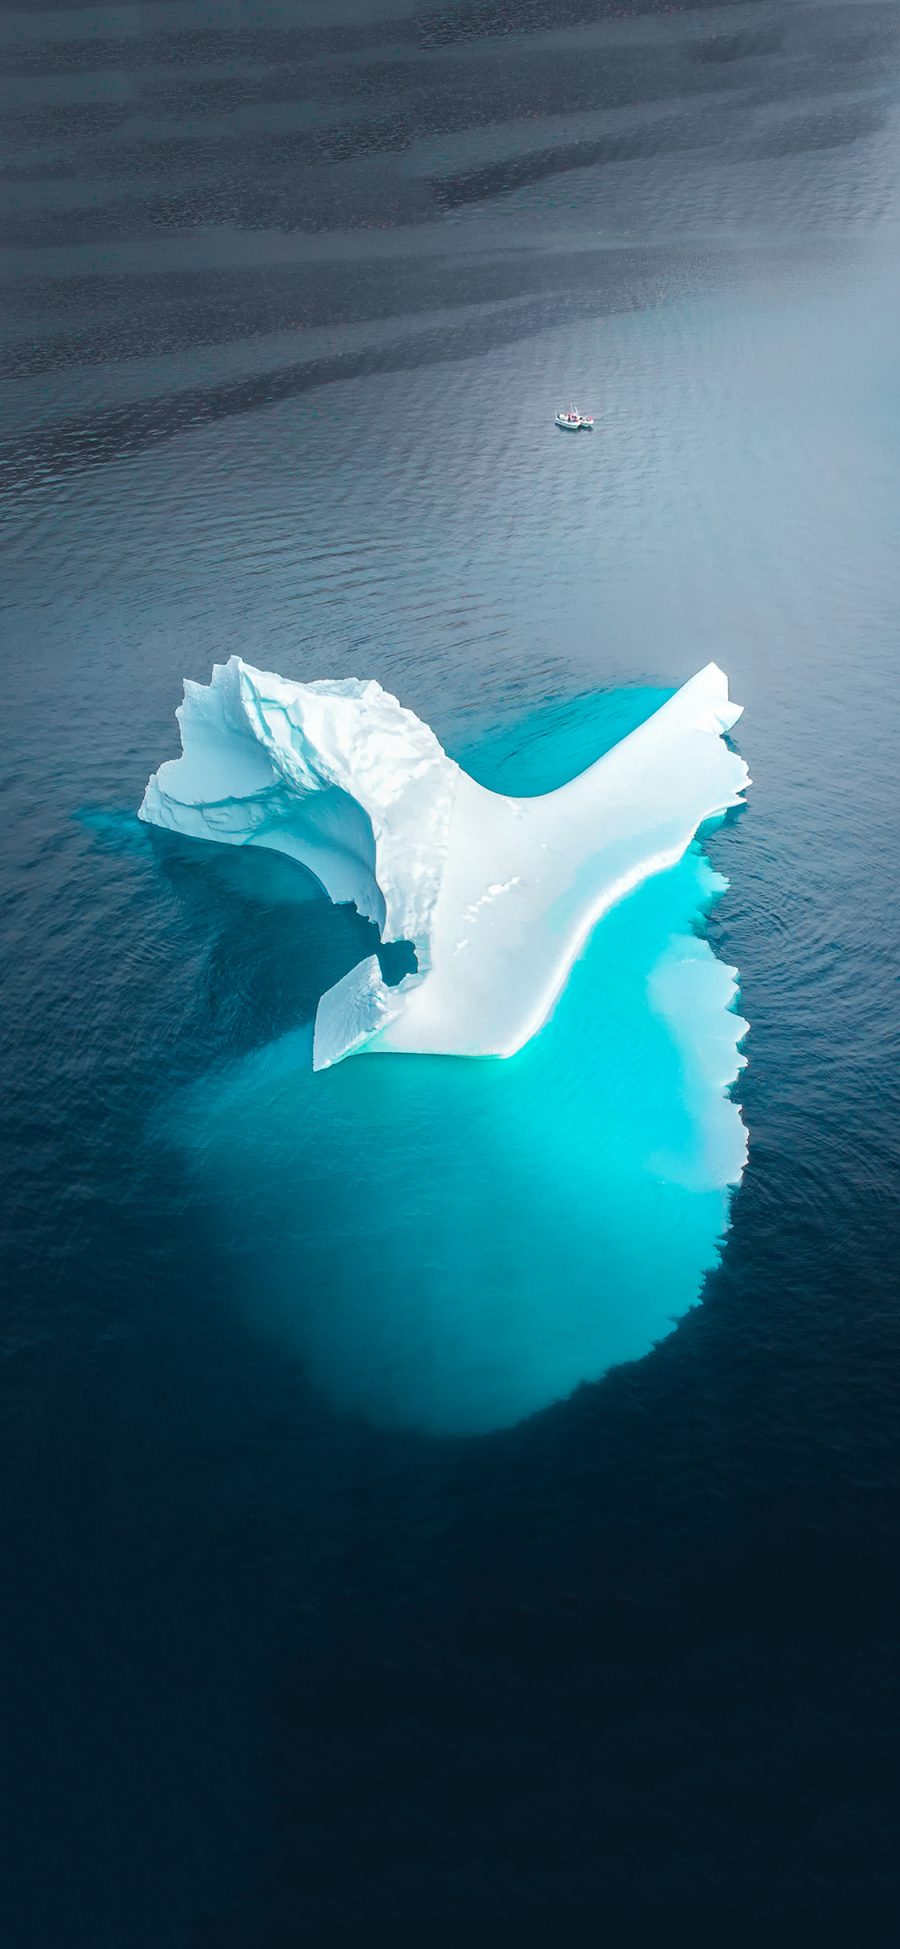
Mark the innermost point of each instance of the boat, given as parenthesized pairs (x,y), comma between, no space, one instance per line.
(575,422)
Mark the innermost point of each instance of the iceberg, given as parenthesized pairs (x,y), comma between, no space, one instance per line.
(448,1247)
(496,895)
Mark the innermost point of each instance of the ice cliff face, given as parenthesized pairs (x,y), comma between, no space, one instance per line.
(336,775)
(496,894)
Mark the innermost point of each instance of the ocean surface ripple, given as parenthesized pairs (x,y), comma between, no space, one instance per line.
(291,298)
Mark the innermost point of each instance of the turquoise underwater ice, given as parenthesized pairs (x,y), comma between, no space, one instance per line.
(451,1245)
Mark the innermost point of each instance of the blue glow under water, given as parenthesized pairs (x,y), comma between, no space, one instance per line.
(627,1670)
(451,1245)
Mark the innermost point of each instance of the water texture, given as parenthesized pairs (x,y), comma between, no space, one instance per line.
(290,299)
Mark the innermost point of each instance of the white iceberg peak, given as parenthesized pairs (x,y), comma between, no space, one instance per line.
(341,777)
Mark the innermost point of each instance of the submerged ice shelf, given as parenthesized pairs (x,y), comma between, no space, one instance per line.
(496,894)
(608,1148)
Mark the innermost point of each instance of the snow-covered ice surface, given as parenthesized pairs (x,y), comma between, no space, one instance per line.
(496,894)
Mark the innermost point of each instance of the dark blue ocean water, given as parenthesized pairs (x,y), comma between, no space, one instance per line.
(291,296)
